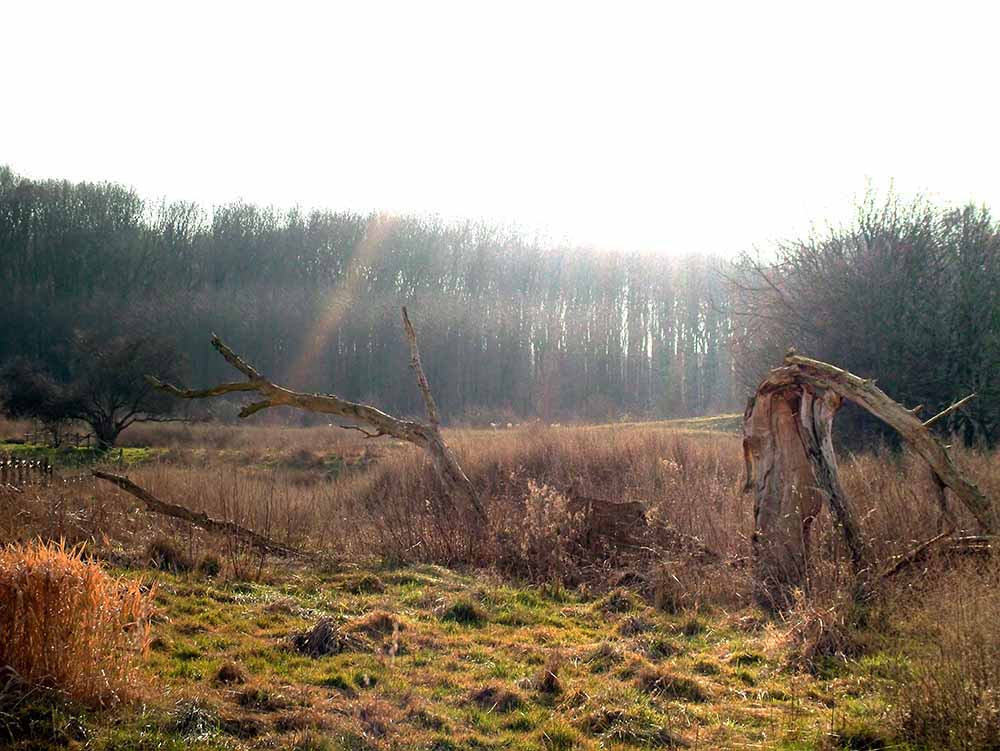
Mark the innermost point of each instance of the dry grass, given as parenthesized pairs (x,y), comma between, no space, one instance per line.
(362,500)
(948,697)
(65,624)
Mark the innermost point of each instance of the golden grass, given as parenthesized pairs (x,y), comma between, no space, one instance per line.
(376,502)
(66,624)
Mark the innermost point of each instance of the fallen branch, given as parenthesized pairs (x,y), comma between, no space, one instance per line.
(426,435)
(967,545)
(200,518)
(866,394)
(913,556)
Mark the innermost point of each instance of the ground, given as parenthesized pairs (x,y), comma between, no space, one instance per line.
(441,660)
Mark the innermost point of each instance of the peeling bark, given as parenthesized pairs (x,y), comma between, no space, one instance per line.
(792,469)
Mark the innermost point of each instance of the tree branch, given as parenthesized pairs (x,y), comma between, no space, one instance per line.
(198,518)
(376,434)
(425,389)
(948,410)
(428,436)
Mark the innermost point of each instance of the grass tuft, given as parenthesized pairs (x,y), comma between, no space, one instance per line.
(654,680)
(68,625)
(465,611)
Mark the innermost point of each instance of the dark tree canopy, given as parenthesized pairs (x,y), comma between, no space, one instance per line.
(510,328)
(908,293)
(103,385)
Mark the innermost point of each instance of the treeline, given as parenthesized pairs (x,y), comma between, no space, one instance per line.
(907,292)
(509,328)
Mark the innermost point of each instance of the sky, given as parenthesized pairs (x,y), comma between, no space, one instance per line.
(673,127)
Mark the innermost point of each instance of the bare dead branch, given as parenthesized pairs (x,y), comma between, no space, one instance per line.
(911,557)
(948,410)
(418,369)
(199,518)
(866,394)
(428,436)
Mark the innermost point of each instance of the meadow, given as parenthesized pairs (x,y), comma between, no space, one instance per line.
(407,628)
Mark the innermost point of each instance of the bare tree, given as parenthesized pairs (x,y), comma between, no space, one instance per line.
(105,385)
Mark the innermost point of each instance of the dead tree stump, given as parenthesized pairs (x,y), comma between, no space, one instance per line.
(791,468)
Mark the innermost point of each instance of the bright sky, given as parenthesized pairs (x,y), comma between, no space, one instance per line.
(672,126)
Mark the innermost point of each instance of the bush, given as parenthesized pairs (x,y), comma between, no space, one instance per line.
(66,624)
(548,538)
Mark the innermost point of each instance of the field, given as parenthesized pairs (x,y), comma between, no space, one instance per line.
(528,638)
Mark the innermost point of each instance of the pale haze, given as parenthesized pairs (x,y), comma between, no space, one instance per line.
(673,127)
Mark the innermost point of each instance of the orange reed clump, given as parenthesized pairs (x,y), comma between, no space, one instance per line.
(68,625)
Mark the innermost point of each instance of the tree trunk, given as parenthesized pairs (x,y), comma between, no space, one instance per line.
(792,468)
(105,434)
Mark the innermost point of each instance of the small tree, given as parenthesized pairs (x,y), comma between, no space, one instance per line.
(103,386)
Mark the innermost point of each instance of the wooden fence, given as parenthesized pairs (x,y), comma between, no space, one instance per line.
(44,438)
(18,473)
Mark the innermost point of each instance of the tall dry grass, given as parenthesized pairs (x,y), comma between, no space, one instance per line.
(333,490)
(949,693)
(67,625)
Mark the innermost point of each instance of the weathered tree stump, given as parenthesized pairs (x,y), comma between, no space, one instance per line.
(791,467)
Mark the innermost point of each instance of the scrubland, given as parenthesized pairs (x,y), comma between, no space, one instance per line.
(542,631)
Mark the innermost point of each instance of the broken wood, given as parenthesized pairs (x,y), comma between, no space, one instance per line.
(200,518)
(866,394)
(948,545)
(792,468)
(456,483)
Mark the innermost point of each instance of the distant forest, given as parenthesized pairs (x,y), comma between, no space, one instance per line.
(509,328)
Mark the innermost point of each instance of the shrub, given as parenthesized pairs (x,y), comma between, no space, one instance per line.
(547,542)
(66,624)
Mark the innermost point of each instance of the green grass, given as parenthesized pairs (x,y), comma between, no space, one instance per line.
(462,672)
(75,457)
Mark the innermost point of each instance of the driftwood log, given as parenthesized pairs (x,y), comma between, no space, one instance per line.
(791,467)
(427,435)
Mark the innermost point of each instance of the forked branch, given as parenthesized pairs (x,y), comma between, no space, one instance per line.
(427,436)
